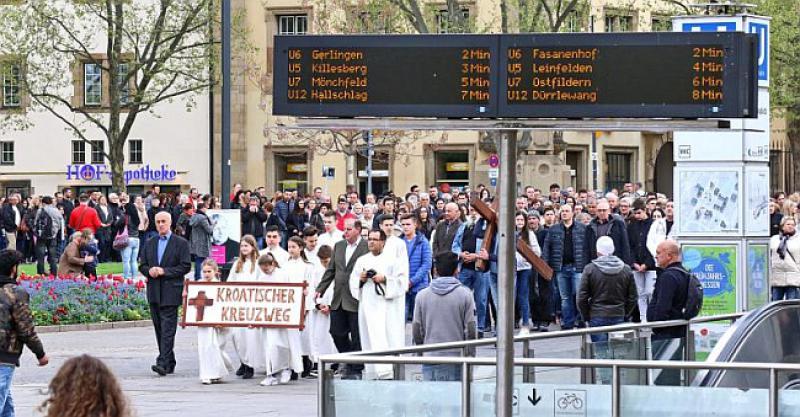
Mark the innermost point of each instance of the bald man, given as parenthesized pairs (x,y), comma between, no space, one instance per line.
(670,293)
(165,261)
(446,230)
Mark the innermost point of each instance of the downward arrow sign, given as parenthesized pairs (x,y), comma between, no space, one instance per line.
(533,399)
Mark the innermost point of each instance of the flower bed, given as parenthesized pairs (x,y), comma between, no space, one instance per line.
(64,300)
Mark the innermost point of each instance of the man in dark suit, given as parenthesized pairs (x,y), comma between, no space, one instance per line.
(344,308)
(165,261)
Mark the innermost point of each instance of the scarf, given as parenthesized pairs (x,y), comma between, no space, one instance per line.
(783,244)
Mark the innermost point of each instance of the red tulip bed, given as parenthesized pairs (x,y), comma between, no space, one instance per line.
(77,300)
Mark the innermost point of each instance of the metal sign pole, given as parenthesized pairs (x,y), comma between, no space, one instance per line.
(506,274)
(226,104)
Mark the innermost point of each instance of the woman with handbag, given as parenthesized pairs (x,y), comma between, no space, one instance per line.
(784,276)
(130,251)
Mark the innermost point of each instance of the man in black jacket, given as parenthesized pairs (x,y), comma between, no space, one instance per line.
(253,218)
(16,327)
(642,262)
(670,294)
(606,224)
(165,262)
(607,294)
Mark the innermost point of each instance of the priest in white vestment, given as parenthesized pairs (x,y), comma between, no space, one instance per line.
(379,284)
(395,248)
(273,246)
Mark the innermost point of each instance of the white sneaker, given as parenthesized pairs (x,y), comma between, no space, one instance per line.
(524,330)
(286,376)
(206,382)
(269,380)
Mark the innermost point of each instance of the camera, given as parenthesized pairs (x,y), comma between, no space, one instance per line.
(371,273)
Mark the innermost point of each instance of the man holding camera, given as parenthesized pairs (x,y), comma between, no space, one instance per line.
(379,284)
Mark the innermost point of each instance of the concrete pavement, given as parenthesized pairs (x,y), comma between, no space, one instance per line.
(130,352)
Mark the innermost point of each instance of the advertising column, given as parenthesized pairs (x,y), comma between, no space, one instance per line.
(722,194)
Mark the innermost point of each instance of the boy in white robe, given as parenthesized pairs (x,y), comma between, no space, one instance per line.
(246,341)
(282,356)
(379,284)
(214,362)
(273,245)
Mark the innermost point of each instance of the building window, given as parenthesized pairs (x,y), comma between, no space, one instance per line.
(619,23)
(619,169)
(78,152)
(92,84)
(122,83)
(380,171)
(11,85)
(7,153)
(661,24)
(443,24)
(573,22)
(291,172)
(97,152)
(296,24)
(452,167)
(135,151)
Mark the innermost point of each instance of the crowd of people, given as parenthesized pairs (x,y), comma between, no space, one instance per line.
(377,263)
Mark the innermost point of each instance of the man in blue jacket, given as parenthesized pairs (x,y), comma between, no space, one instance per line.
(420,261)
(566,252)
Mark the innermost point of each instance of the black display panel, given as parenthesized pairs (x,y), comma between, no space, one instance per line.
(665,75)
(424,76)
(675,75)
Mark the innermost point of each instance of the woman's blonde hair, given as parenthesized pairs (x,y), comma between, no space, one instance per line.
(250,240)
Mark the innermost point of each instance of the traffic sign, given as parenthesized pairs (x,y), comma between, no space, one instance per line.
(494,160)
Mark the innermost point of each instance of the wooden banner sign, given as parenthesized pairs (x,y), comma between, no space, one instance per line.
(244,304)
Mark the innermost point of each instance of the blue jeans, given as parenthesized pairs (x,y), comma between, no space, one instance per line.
(568,282)
(130,256)
(603,321)
(523,296)
(6,403)
(441,372)
(476,281)
(788,293)
(411,298)
(260,242)
(198,267)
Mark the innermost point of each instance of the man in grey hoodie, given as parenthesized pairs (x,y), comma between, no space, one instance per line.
(444,312)
(607,293)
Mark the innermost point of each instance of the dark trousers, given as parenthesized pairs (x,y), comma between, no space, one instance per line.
(48,248)
(344,331)
(165,323)
(541,293)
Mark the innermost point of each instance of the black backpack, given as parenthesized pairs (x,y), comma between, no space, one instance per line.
(694,295)
(43,225)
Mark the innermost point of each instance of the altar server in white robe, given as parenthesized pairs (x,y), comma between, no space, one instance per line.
(301,270)
(395,247)
(214,362)
(282,351)
(273,245)
(311,239)
(319,321)
(246,341)
(379,284)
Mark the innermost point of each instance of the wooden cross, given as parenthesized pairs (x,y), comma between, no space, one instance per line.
(200,303)
(490,215)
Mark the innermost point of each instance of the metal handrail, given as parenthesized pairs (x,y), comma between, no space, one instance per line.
(467,363)
(549,335)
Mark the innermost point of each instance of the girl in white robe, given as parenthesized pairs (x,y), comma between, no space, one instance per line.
(319,321)
(247,342)
(281,351)
(214,362)
(300,270)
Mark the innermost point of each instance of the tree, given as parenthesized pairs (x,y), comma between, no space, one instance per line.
(153,51)
(785,70)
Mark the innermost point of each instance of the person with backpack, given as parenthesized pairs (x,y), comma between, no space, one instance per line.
(47,226)
(671,296)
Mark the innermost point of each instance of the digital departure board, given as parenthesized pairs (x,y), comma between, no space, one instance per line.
(593,75)
(448,76)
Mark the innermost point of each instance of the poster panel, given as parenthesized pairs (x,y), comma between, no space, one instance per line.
(708,201)
(226,235)
(715,267)
(757,275)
